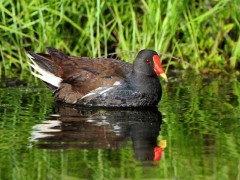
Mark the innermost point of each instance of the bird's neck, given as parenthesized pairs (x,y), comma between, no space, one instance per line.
(144,82)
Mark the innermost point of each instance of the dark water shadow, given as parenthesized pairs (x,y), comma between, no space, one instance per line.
(95,128)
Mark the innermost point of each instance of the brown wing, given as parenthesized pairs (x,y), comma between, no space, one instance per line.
(86,74)
(82,74)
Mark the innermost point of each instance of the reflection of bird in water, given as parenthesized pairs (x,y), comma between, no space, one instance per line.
(95,128)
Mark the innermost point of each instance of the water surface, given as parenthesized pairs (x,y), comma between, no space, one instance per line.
(194,133)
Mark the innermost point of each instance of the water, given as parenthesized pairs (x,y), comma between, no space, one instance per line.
(195,133)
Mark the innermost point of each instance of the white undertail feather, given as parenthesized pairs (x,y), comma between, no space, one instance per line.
(43,74)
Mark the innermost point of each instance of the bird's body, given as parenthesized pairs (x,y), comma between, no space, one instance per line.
(100,82)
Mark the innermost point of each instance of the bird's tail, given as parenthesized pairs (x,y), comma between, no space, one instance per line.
(46,66)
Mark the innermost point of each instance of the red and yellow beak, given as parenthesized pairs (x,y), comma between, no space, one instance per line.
(158,67)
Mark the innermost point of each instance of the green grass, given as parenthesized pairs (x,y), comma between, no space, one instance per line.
(203,34)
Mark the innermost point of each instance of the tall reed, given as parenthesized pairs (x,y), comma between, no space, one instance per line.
(205,34)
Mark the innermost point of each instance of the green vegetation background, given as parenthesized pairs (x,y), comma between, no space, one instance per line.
(203,34)
(201,118)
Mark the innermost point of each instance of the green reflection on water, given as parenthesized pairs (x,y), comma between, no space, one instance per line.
(201,123)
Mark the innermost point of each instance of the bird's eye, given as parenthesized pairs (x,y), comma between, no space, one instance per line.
(147,61)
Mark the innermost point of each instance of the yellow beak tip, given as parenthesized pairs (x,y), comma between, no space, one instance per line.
(164,76)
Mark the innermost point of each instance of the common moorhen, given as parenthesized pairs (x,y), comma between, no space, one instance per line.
(101,82)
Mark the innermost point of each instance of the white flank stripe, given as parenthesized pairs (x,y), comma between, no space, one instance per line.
(97,91)
(44,75)
(106,90)
(89,94)
(117,83)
